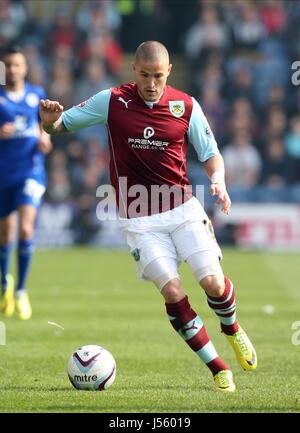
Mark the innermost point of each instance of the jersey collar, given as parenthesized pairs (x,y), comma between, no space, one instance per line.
(162,100)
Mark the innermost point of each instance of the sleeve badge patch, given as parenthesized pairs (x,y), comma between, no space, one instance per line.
(82,104)
(208,131)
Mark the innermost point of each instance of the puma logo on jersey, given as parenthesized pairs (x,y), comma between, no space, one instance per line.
(124,102)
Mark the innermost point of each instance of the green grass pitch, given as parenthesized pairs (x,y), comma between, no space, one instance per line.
(96,296)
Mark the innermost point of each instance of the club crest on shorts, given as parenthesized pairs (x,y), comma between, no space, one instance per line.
(136,254)
(177,108)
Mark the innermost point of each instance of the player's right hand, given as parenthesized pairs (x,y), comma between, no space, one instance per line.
(7,130)
(50,111)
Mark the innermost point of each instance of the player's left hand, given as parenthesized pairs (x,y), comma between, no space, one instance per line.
(219,189)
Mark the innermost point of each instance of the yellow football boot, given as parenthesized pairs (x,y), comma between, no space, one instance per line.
(7,302)
(23,307)
(244,349)
(224,381)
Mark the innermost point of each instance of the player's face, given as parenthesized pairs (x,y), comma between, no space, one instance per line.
(15,68)
(151,78)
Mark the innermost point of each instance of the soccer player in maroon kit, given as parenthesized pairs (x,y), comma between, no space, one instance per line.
(150,125)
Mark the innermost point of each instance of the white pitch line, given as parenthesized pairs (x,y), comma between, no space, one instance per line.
(55,324)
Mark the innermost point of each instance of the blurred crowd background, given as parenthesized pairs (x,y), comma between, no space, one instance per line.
(234,56)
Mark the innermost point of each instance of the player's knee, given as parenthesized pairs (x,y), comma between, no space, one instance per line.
(213,285)
(26,230)
(6,235)
(173,291)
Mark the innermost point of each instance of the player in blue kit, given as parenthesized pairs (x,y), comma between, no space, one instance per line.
(23,145)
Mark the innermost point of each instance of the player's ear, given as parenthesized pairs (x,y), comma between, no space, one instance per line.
(170,68)
(133,67)
(26,67)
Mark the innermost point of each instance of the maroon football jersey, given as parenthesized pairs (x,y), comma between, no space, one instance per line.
(149,145)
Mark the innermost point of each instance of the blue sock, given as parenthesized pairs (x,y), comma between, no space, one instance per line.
(25,249)
(5,253)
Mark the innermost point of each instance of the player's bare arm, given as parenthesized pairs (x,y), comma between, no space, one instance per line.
(44,144)
(51,117)
(215,170)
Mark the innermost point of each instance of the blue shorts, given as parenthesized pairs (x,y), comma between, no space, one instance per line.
(29,191)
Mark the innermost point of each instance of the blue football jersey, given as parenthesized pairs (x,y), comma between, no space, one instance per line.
(20,157)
